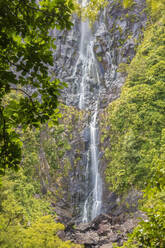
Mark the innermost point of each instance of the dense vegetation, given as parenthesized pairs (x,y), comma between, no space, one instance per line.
(28,98)
(136,119)
(25,60)
(135,126)
(26,216)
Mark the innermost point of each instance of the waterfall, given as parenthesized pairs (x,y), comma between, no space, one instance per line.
(88,60)
(97,190)
(87,64)
(92,205)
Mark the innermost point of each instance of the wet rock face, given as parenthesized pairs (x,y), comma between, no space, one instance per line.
(115,36)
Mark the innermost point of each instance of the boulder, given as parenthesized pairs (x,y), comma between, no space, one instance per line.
(110,245)
(87,238)
(103,231)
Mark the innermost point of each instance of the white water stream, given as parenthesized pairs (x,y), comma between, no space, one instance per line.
(92,205)
(89,71)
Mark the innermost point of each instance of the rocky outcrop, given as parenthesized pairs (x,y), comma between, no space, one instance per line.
(103,231)
(62,157)
(116,34)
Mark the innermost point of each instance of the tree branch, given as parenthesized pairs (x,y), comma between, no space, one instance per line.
(44,11)
(29,96)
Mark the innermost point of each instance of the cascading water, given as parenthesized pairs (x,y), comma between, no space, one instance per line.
(97,190)
(92,205)
(87,63)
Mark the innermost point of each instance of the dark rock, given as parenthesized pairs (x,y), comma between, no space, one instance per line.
(87,238)
(115,24)
(104,230)
(86,134)
(63,215)
(61,234)
(113,39)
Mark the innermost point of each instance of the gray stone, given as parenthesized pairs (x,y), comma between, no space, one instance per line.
(110,245)
(87,238)
(98,50)
(111,27)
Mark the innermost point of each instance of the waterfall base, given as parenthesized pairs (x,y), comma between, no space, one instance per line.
(103,231)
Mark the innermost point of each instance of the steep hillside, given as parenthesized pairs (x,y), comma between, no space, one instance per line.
(136,121)
(133,129)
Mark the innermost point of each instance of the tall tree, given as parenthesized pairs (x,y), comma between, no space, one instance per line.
(26,47)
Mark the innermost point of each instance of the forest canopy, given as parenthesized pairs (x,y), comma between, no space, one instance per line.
(26,45)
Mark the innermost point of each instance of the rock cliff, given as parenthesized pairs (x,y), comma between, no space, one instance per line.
(115,36)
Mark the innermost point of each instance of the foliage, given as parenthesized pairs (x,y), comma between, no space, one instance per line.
(48,152)
(26,219)
(156,8)
(89,9)
(93,9)
(150,232)
(135,127)
(25,56)
(43,234)
(128,3)
(137,119)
